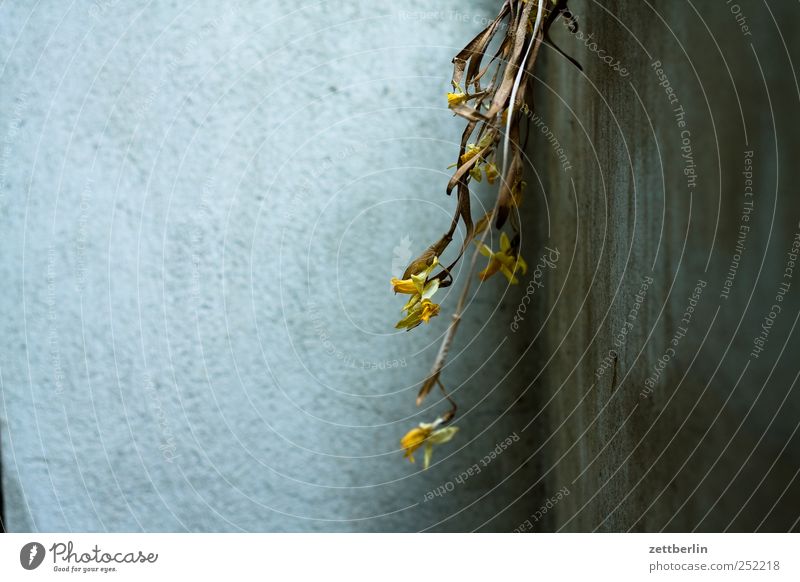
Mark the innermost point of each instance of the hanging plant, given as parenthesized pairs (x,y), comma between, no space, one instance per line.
(490,99)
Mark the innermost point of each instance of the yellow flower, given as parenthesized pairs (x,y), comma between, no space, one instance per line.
(419,307)
(414,439)
(455,99)
(403,285)
(428,291)
(421,311)
(426,434)
(504,261)
(428,309)
(471,151)
(416,282)
(438,437)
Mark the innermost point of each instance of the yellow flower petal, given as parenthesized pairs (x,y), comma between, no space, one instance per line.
(455,99)
(427,435)
(403,285)
(505,244)
(414,439)
(485,250)
(493,266)
(428,291)
(442,435)
(428,310)
(430,288)
(410,321)
(419,281)
(411,302)
(437,437)
(522,265)
(428,454)
(419,312)
(503,260)
(471,151)
(509,275)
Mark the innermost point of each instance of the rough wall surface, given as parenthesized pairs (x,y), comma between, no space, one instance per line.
(202,205)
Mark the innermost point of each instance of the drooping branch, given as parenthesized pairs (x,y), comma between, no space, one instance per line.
(493,115)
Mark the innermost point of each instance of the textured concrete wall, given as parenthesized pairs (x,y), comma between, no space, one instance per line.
(710,443)
(200,209)
(202,205)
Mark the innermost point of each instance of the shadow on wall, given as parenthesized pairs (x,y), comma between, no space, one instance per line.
(668,393)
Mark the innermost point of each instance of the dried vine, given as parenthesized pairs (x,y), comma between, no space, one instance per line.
(491,100)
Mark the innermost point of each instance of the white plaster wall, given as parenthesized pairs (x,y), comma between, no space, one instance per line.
(200,208)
